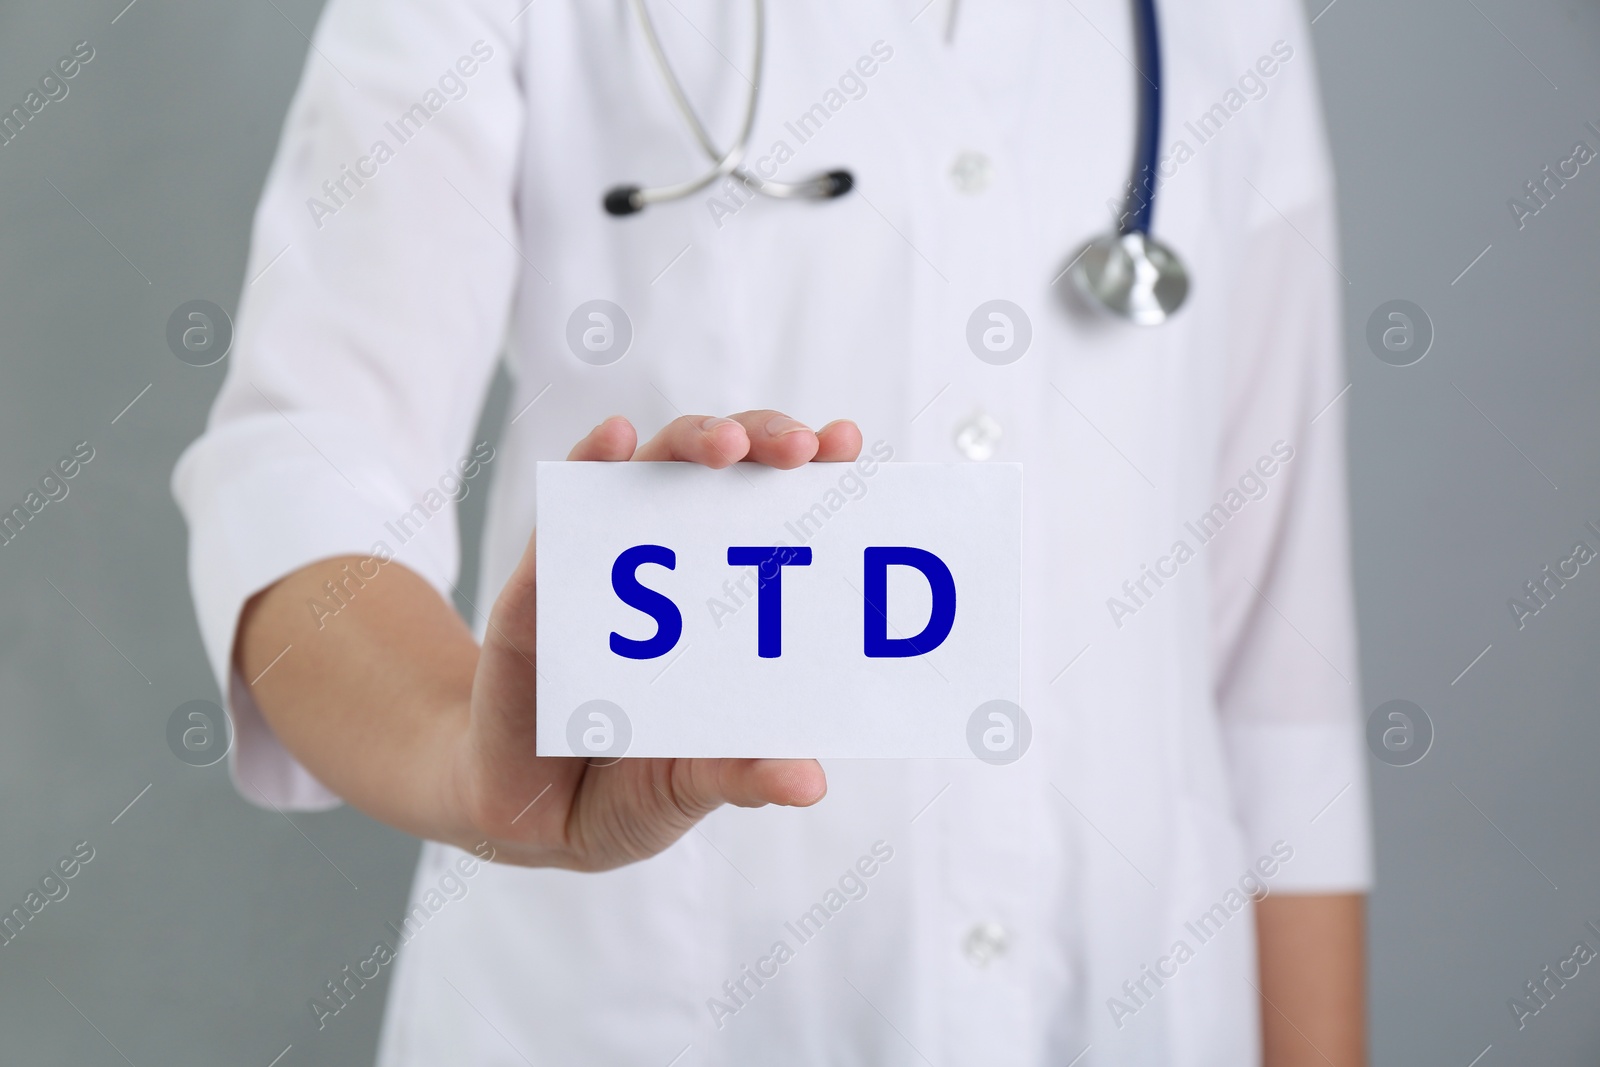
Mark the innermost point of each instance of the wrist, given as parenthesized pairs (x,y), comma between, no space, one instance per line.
(449,801)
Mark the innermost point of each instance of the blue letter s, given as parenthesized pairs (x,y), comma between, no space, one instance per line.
(669,621)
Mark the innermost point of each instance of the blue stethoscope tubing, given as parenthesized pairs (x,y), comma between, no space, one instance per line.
(1126,272)
(1149,128)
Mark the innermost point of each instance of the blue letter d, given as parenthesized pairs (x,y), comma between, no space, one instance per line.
(875,625)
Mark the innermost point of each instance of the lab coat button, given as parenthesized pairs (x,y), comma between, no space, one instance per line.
(978,437)
(971,171)
(984,943)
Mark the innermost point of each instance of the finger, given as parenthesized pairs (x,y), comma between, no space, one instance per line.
(691,789)
(750,783)
(611,442)
(702,439)
(838,442)
(776,439)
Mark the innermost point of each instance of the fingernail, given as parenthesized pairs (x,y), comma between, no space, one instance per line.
(712,424)
(779,425)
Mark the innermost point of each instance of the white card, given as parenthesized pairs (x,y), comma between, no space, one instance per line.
(899,638)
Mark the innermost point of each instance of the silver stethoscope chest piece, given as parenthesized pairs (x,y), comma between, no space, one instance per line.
(1133,276)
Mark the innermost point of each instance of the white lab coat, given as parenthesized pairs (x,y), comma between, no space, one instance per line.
(1188,729)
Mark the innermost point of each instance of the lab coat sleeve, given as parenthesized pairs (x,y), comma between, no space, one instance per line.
(1284,650)
(380,274)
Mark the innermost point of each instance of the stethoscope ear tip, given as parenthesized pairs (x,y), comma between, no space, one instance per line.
(622,200)
(839,182)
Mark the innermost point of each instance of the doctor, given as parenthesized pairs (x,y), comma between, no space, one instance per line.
(1174,872)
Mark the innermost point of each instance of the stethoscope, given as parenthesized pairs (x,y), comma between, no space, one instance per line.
(1126,272)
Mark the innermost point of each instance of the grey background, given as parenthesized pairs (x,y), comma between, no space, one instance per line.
(202,926)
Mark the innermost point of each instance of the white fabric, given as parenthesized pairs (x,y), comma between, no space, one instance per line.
(1177,740)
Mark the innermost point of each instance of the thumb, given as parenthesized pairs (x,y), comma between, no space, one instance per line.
(697,786)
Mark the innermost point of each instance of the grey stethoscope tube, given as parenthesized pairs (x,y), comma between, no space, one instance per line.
(1126,272)
(629,199)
